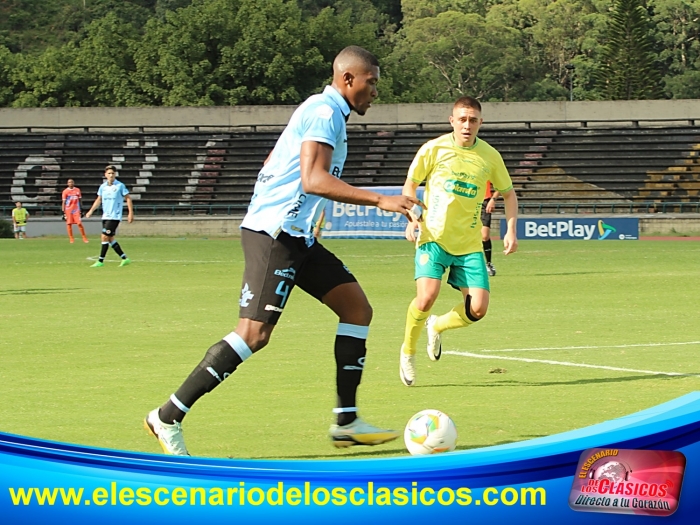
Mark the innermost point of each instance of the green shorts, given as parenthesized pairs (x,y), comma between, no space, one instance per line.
(466,271)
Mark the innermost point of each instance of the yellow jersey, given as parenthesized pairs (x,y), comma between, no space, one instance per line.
(455,184)
(20,216)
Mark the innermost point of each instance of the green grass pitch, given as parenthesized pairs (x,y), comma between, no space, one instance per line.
(85,353)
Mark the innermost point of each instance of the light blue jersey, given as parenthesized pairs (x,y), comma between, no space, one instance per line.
(112,200)
(279,203)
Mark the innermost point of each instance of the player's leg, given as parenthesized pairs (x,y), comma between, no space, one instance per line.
(268,280)
(80,226)
(106,237)
(326,278)
(69,229)
(486,239)
(469,275)
(431,261)
(115,245)
(17,232)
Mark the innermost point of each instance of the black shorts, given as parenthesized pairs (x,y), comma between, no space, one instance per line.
(274,266)
(109,227)
(485,216)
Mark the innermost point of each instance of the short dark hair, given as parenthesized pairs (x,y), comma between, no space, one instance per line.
(360,54)
(111,167)
(467,102)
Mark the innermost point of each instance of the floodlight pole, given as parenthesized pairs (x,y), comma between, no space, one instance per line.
(570,73)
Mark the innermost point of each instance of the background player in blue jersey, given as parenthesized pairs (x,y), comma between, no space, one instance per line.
(300,174)
(112,194)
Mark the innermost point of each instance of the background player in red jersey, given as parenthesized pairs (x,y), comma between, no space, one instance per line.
(70,206)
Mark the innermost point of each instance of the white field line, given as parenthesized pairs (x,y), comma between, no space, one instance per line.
(589,347)
(184,261)
(566,363)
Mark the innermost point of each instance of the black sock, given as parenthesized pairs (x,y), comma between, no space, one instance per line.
(103,251)
(219,362)
(487,250)
(350,360)
(118,249)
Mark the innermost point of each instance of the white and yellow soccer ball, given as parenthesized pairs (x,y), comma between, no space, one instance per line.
(430,432)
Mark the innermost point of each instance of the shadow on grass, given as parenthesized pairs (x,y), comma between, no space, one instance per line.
(37,291)
(363,452)
(571,273)
(601,380)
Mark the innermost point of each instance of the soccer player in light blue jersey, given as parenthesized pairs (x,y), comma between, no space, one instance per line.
(300,174)
(112,194)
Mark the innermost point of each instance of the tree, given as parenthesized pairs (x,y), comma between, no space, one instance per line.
(229,52)
(555,34)
(438,59)
(8,63)
(677,33)
(627,69)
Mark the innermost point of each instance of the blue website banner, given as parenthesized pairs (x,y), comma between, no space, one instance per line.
(351,221)
(527,482)
(593,229)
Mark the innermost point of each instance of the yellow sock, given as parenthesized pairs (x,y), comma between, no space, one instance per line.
(415,319)
(455,318)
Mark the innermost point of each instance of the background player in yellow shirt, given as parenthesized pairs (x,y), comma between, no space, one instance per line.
(456,169)
(19,221)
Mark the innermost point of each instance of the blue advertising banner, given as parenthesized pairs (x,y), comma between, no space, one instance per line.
(585,229)
(549,479)
(351,221)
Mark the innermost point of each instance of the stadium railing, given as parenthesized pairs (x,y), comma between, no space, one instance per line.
(541,208)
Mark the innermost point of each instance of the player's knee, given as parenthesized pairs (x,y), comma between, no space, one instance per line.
(362,316)
(424,304)
(475,309)
(257,340)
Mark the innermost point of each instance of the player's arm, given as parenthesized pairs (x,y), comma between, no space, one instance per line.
(130,207)
(319,225)
(95,205)
(510,239)
(316,179)
(491,205)
(409,189)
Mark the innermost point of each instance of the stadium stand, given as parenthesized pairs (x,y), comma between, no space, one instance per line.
(557,168)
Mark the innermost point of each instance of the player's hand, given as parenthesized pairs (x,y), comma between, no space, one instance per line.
(63,217)
(88,214)
(490,206)
(510,243)
(411,229)
(130,219)
(402,204)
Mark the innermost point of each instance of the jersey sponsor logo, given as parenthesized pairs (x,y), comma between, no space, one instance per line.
(272,308)
(463,189)
(289,273)
(297,206)
(359,366)
(246,296)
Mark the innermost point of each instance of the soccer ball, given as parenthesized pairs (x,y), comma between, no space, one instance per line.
(430,432)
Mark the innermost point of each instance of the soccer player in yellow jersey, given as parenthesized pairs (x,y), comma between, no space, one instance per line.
(19,221)
(455,168)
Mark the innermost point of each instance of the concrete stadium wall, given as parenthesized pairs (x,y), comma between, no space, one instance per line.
(667,224)
(380,114)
